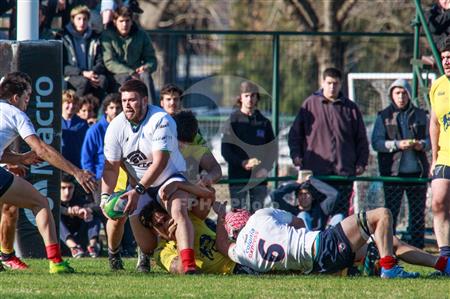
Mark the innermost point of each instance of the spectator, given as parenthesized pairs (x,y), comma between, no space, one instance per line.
(73,128)
(92,157)
(128,51)
(83,61)
(108,6)
(88,109)
(328,136)
(440,148)
(200,163)
(315,202)
(400,136)
(77,221)
(248,147)
(438,20)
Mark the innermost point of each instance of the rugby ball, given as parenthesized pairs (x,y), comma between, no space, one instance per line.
(115,205)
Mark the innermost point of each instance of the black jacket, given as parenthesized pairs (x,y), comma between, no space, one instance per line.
(247,137)
(389,163)
(94,52)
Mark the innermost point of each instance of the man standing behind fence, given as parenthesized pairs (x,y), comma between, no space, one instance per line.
(440,145)
(400,136)
(328,136)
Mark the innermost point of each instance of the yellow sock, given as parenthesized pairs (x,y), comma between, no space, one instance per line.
(7,250)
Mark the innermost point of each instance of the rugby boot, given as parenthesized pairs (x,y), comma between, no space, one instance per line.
(60,268)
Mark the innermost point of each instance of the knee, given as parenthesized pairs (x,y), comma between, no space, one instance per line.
(438,205)
(10,212)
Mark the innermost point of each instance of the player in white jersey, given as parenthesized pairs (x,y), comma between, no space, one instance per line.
(15,90)
(273,239)
(144,138)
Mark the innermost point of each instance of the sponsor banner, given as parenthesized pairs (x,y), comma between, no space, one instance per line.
(42,60)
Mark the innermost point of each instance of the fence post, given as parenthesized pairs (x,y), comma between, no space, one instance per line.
(275,94)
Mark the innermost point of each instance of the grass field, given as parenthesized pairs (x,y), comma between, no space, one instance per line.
(93,279)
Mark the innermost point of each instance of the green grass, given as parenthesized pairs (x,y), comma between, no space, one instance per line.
(93,279)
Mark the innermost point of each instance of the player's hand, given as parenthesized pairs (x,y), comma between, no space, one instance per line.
(205,181)
(87,180)
(168,190)
(132,200)
(17,169)
(172,228)
(30,158)
(220,208)
(432,167)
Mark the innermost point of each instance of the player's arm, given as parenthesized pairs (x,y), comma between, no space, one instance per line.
(212,168)
(27,158)
(160,160)
(49,154)
(223,243)
(434,138)
(110,175)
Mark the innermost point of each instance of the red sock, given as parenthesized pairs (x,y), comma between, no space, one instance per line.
(53,253)
(441,263)
(188,259)
(388,262)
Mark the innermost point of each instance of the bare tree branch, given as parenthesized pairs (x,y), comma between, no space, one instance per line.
(305,14)
(344,10)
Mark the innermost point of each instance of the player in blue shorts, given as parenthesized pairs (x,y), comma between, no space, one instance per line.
(273,239)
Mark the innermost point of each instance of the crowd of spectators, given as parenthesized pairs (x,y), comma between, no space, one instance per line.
(104,47)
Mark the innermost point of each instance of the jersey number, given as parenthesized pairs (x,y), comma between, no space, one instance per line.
(274,252)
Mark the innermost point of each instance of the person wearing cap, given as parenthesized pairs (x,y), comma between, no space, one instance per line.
(401,138)
(328,136)
(249,148)
(314,202)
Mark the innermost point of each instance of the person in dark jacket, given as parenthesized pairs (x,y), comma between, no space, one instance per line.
(128,52)
(401,138)
(314,202)
(78,221)
(82,57)
(328,136)
(438,20)
(249,148)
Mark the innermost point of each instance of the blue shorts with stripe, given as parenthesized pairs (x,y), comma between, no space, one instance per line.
(6,180)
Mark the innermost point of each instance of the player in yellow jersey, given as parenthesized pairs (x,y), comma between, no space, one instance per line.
(207,258)
(440,145)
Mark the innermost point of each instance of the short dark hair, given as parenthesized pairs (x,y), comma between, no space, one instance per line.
(187,125)
(146,215)
(90,99)
(67,178)
(169,89)
(332,72)
(444,44)
(123,11)
(14,83)
(112,98)
(247,87)
(134,85)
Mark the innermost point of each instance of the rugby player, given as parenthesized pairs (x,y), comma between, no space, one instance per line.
(15,90)
(143,138)
(273,239)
